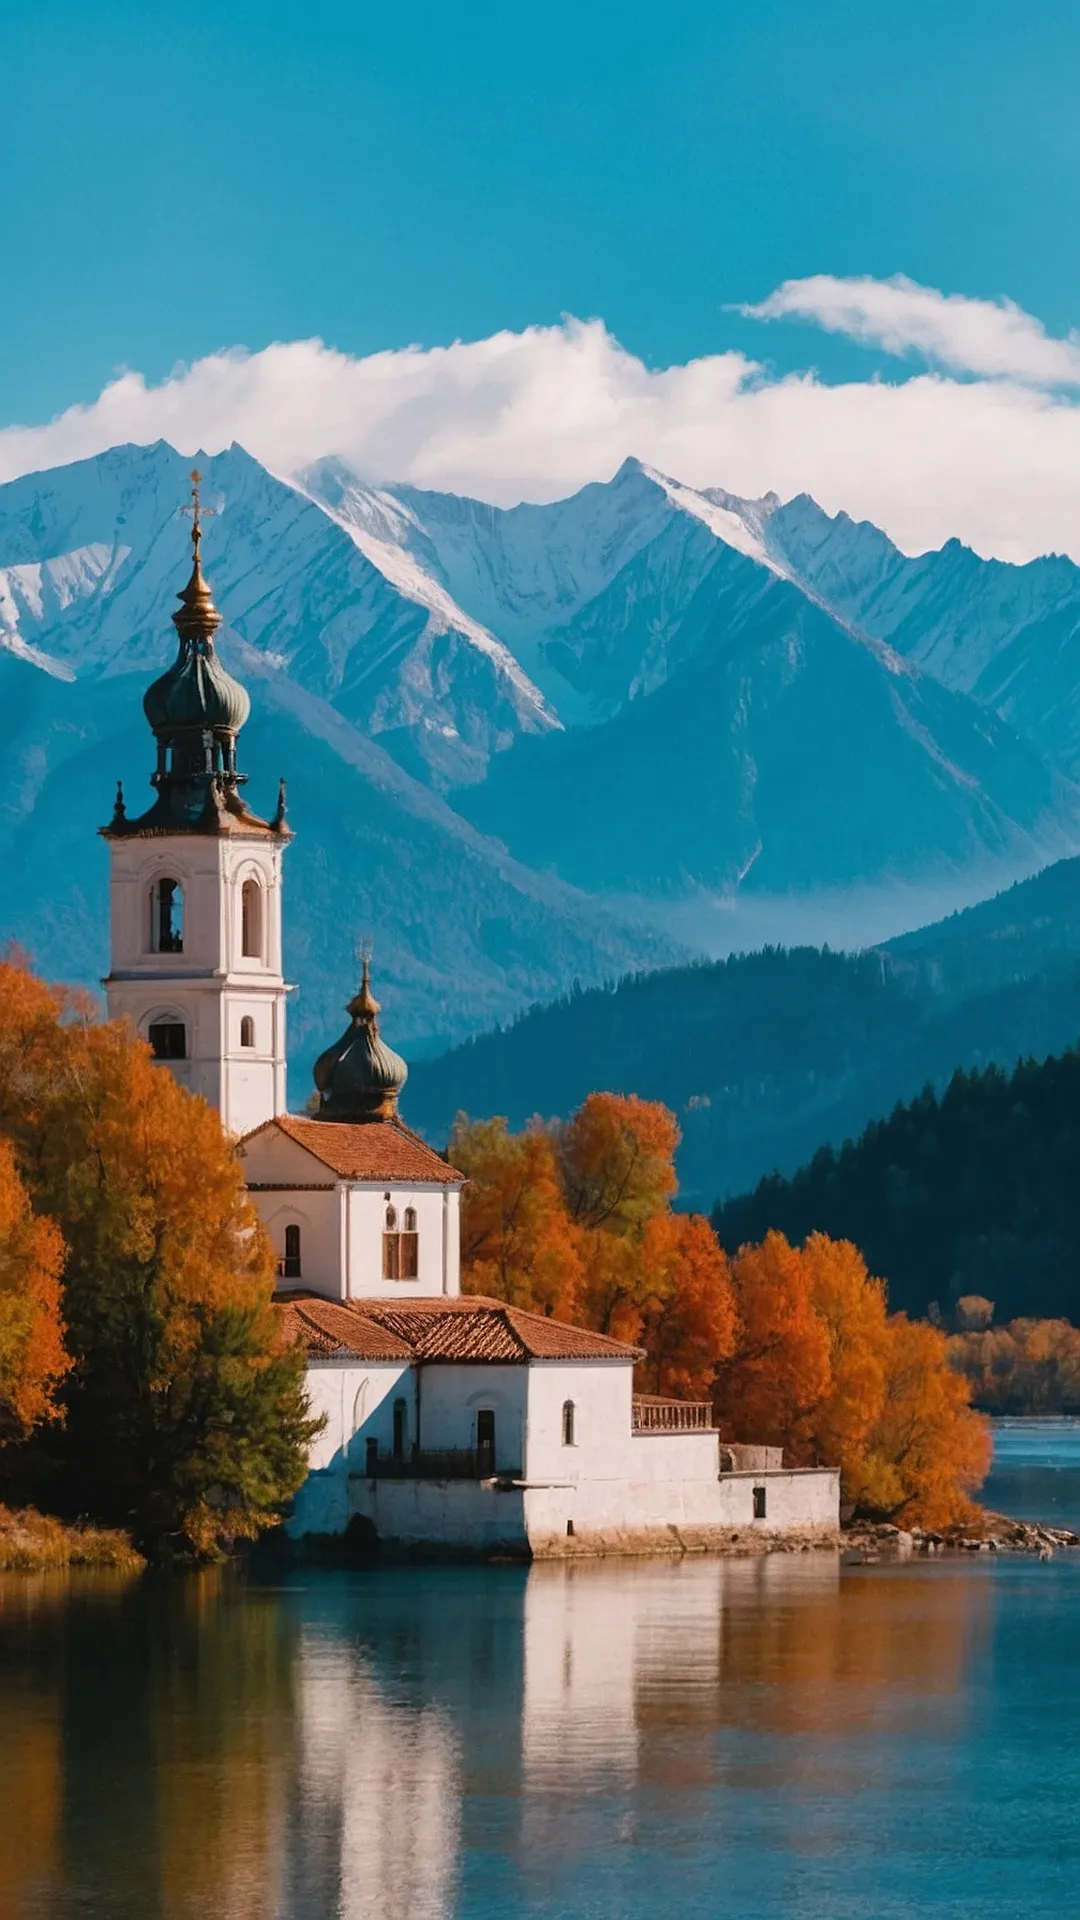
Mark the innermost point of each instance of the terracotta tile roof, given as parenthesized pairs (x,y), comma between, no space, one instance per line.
(332,1328)
(368,1150)
(471,1328)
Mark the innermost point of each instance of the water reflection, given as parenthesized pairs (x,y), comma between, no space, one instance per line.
(462,1741)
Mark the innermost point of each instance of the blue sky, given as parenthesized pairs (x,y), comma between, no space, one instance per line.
(894,189)
(181,179)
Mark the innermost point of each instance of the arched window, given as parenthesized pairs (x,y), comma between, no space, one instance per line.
(167,917)
(168,1038)
(568,1423)
(290,1266)
(247,1031)
(401,1247)
(251,920)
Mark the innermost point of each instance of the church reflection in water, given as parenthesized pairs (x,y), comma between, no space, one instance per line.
(368,1745)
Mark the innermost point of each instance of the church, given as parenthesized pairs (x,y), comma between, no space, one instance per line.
(453,1422)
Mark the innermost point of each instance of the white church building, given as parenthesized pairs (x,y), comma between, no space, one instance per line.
(453,1422)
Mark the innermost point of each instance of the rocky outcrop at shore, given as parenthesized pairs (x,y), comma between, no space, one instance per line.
(990,1533)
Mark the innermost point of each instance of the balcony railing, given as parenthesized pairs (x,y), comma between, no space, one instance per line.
(433,1463)
(653,1414)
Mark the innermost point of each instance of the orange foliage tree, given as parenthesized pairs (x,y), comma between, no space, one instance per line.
(33,1359)
(576,1220)
(927,1452)
(822,1369)
(184,1419)
(778,1375)
(516,1240)
(617,1161)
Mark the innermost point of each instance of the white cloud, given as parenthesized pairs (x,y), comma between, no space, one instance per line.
(994,339)
(995,461)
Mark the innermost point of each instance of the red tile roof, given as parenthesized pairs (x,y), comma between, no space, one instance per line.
(369,1150)
(469,1329)
(331,1328)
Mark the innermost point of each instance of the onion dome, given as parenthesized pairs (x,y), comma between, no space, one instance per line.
(196,710)
(196,691)
(359,1078)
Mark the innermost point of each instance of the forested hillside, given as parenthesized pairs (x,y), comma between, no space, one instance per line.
(768,1056)
(973,1192)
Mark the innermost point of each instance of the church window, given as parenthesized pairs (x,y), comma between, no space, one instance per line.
(251,920)
(290,1266)
(167,917)
(401,1246)
(168,1039)
(247,1031)
(568,1423)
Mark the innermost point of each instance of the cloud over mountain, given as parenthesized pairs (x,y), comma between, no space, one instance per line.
(994,339)
(991,455)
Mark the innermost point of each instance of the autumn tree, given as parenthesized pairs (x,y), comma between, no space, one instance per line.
(617,1161)
(33,1359)
(928,1452)
(687,1319)
(576,1220)
(184,1418)
(779,1374)
(516,1237)
(822,1369)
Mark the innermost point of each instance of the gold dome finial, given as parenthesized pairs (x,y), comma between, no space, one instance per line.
(363,1005)
(197,617)
(196,511)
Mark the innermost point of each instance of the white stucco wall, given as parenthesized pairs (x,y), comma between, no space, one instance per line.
(211,984)
(655,1499)
(452,1396)
(437,1248)
(454,1515)
(612,1491)
(358,1402)
(341,1223)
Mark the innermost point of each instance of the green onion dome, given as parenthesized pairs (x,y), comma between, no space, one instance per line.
(360,1077)
(196,691)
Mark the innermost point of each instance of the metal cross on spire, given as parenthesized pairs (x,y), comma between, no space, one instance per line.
(198,512)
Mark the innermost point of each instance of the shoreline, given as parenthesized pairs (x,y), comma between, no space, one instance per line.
(865,1542)
(33,1542)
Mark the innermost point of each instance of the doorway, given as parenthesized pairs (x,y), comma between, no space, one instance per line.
(485,1436)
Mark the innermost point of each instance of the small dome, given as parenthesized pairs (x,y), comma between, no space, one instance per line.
(360,1077)
(196,691)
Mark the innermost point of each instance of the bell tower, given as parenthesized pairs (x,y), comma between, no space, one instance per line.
(195,886)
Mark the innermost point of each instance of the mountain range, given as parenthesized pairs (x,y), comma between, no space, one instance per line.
(767,1057)
(537,745)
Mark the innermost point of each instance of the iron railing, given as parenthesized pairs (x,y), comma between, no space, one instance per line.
(433,1463)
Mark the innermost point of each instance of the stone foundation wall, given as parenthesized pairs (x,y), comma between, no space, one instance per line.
(560,1521)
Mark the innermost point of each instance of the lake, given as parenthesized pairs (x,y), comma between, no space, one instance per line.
(777,1739)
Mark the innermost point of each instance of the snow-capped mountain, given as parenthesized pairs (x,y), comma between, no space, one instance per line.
(1009,635)
(644,689)
(781,754)
(89,556)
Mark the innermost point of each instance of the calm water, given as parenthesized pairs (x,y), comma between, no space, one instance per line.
(772,1740)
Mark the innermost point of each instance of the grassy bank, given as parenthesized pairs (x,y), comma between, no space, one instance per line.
(32,1542)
